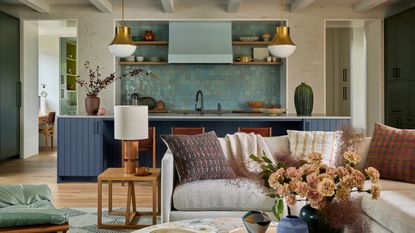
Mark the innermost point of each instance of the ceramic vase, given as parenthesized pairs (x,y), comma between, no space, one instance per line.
(292,224)
(316,223)
(303,99)
(256,222)
(92,105)
(149,36)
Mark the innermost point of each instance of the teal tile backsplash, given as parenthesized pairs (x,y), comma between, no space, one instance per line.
(231,85)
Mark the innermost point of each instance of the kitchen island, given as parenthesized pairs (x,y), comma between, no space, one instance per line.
(86,144)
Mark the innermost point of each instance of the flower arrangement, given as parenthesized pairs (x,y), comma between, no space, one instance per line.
(96,83)
(316,182)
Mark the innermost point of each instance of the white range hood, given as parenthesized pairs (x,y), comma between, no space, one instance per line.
(200,42)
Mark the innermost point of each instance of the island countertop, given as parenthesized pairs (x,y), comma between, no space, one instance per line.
(215,116)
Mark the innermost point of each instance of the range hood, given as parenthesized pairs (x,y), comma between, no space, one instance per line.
(200,42)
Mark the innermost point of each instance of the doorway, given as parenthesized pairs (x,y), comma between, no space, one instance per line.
(353,71)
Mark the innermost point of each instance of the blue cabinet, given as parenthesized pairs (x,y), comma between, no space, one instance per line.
(80,148)
(324,124)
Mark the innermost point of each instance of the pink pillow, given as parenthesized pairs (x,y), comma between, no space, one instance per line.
(392,152)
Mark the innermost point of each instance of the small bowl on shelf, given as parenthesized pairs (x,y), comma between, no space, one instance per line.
(249,38)
(256,104)
(130,58)
(139,58)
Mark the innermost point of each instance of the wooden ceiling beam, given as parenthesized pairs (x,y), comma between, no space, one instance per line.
(40,6)
(299,5)
(168,6)
(233,6)
(366,5)
(104,6)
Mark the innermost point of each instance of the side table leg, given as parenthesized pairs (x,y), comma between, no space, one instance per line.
(127,211)
(133,197)
(99,204)
(110,197)
(154,202)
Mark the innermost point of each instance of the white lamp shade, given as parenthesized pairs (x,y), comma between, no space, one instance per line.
(131,122)
(122,50)
(282,51)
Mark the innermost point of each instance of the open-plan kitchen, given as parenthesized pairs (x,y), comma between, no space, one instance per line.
(206,116)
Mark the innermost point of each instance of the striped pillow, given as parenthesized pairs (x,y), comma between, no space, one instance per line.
(392,152)
(302,143)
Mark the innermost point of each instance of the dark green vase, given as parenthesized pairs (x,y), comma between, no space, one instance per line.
(303,100)
(316,223)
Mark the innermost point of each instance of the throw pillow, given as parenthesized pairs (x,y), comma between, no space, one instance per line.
(392,152)
(304,142)
(199,157)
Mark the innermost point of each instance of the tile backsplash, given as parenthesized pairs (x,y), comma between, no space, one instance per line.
(177,84)
(230,85)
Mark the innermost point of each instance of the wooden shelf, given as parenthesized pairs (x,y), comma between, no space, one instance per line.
(70,59)
(143,63)
(257,63)
(71,75)
(161,42)
(238,42)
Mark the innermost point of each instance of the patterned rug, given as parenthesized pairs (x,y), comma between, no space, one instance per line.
(84,220)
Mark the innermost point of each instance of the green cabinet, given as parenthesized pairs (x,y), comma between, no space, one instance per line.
(10,96)
(400,70)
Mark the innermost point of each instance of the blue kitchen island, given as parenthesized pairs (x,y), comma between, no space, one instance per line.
(86,144)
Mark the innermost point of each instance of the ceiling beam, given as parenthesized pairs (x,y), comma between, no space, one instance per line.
(40,6)
(299,5)
(365,5)
(104,6)
(234,5)
(168,6)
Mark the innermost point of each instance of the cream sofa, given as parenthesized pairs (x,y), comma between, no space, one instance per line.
(393,212)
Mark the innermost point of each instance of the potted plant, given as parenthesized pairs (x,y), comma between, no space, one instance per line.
(326,189)
(96,84)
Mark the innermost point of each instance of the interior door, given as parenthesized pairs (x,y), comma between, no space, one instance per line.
(9,86)
(404,45)
(390,48)
(343,72)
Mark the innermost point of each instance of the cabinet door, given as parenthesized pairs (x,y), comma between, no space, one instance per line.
(394,120)
(396,100)
(411,105)
(79,147)
(390,48)
(324,124)
(9,86)
(404,45)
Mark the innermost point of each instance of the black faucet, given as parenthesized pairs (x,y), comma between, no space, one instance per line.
(201,109)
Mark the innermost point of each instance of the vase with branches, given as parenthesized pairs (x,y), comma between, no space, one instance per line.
(96,83)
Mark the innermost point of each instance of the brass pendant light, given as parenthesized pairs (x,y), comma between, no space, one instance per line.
(281,45)
(122,45)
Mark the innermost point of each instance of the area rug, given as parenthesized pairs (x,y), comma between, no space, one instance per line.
(84,220)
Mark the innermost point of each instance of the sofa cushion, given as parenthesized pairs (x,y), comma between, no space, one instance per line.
(199,157)
(392,152)
(326,143)
(216,195)
(19,194)
(395,209)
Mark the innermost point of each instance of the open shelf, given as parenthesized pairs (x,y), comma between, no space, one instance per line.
(70,59)
(161,42)
(257,63)
(238,42)
(71,75)
(143,63)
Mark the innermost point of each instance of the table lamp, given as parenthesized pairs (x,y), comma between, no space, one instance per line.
(130,125)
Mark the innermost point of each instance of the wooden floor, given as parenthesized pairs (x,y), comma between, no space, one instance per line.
(41,169)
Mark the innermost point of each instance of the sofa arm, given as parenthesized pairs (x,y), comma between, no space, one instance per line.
(167,185)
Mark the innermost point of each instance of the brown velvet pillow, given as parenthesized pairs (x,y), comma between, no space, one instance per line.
(199,157)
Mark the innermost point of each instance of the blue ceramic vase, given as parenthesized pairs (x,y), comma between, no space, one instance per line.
(256,222)
(292,224)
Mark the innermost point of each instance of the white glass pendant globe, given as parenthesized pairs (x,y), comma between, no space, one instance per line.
(122,50)
(282,51)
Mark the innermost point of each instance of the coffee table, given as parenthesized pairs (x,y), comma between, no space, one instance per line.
(205,225)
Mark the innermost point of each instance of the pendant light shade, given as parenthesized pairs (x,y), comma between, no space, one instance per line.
(122,45)
(281,45)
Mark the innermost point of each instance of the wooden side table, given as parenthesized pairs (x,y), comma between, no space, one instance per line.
(131,214)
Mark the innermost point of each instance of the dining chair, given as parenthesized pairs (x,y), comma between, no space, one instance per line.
(48,129)
(187,131)
(264,132)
